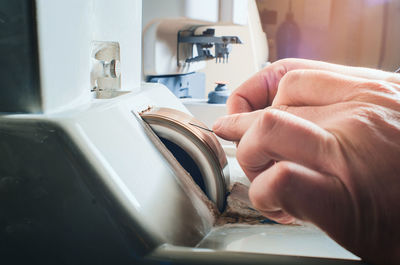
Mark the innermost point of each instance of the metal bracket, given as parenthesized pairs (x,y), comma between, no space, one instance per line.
(204,43)
(105,73)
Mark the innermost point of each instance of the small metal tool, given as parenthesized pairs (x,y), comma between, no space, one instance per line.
(198,126)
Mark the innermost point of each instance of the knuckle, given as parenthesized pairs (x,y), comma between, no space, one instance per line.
(291,77)
(371,88)
(379,93)
(247,156)
(233,95)
(257,197)
(356,117)
(280,67)
(279,63)
(364,112)
(285,62)
(268,120)
(279,185)
(364,115)
(379,86)
(242,153)
(233,98)
(329,145)
(287,85)
(284,177)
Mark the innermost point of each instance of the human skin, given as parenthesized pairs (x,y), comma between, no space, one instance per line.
(321,143)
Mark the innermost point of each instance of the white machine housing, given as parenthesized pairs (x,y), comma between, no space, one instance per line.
(81,181)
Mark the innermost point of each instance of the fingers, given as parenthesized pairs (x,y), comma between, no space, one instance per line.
(293,190)
(259,91)
(322,88)
(361,72)
(278,135)
(315,88)
(233,127)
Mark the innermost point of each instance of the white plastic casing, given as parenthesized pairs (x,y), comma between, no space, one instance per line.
(66,30)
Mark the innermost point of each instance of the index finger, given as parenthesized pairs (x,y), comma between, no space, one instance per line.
(259,91)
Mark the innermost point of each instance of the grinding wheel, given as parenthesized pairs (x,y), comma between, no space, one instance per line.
(195,147)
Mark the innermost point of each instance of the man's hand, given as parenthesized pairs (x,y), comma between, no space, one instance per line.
(321,143)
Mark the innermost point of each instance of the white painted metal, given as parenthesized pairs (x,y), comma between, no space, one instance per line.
(66,30)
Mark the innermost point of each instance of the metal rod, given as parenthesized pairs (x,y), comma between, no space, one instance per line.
(198,126)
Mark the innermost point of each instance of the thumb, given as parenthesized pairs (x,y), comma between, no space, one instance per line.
(233,127)
(306,195)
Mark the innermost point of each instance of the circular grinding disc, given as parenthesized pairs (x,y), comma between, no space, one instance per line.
(195,147)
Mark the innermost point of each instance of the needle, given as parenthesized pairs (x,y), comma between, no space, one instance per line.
(198,126)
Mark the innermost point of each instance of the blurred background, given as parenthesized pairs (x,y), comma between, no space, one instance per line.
(352,32)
